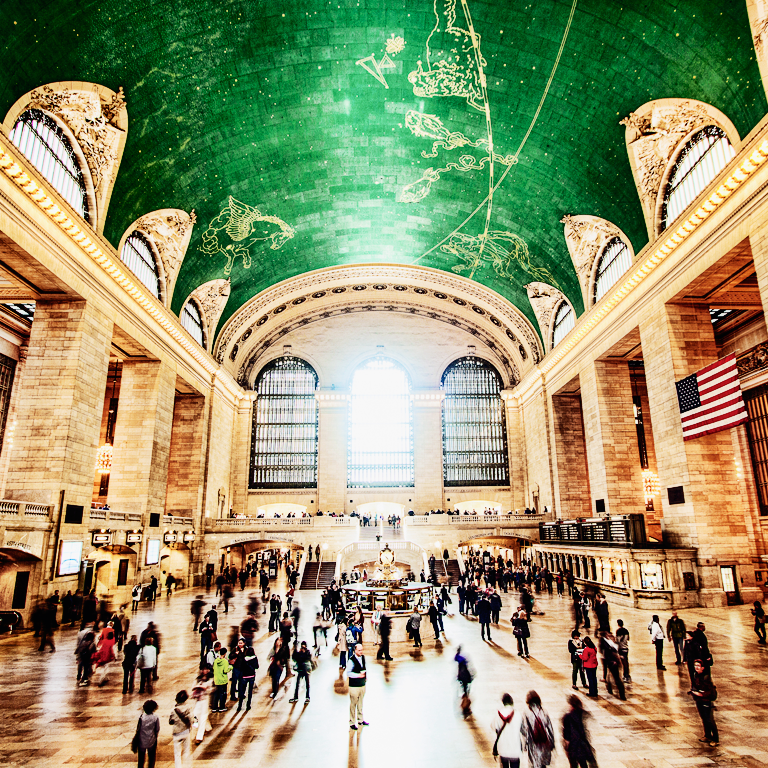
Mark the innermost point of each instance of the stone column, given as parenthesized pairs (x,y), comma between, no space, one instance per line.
(332,451)
(516,449)
(186,458)
(570,459)
(59,403)
(139,478)
(428,449)
(241,451)
(678,340)
(615,474)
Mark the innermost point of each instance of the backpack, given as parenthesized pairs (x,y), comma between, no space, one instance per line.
(539,735)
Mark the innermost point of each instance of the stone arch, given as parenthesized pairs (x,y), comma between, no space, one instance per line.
(96,122)
(655,133)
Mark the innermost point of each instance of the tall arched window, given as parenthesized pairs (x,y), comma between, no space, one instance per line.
(284,438)
(43,142)
(193,321)
(702,158)
(380,426)
(137,254)
(614,262)
(474,433)
(564,322)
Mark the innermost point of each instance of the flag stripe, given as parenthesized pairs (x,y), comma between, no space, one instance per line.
(711,400)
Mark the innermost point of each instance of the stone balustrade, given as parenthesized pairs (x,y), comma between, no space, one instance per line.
(174,520)
(22,509)
(282,523)
(114,516)
(477,521)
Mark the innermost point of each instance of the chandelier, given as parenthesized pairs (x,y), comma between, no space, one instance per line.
(104,459)
(650,484)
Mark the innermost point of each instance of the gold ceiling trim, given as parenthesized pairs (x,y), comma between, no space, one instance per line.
(87,244)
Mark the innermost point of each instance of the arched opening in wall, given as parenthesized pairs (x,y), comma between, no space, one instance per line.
(44,142)
(139,256)
(706,153)
(380,452)
(478,507)
(474,429)
(613,263)
(285,424)
(192,319)
(283,509)
(565,319)
(252,556)
(497,551)
(114,573)
(174,561)
(18,570)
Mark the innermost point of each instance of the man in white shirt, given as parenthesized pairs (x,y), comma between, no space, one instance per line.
(506,725)
(356,675)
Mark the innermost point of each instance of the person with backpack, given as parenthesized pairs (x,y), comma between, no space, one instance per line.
(130,653)
(181,720)
(704,694)
(538,735)
(465,677)
(575,737)
(506,725)
(302,661)
(135,597)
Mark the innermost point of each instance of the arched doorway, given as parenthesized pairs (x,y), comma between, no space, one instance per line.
(175,560)
(114,572)
(270,554)
(19,580)
(506,546)
(382,509)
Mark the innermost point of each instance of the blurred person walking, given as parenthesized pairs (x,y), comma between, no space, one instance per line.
(575,736)
(537,732)
(507,726)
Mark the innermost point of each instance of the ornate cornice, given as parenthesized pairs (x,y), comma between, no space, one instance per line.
(753,360)
(420,284)
(246,369)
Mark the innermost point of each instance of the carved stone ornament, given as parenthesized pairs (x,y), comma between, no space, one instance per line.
(95,124)
(544,298)
(654,132)
(586,237)
(756,359)
(212,298)
(170,230)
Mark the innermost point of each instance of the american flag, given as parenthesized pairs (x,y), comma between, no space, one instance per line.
(710,400)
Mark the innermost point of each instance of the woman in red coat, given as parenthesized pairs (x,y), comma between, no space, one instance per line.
(589,662)
(105,652)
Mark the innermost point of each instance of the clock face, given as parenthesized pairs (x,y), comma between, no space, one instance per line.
(386,557)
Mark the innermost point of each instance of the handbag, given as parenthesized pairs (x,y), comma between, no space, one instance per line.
(501,730)
(135,739)
(140,661)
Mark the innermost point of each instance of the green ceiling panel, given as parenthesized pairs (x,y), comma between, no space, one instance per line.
(318,132)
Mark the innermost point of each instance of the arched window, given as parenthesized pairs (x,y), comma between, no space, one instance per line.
(614,262)
(43,142)
(702,158)
(284,438)
(193,322)
(564,322)
(474,433)
(380,426)
(138,256)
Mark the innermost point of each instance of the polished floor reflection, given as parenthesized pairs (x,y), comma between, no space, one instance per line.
(411,703)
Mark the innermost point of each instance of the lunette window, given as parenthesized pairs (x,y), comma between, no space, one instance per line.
(43,142)
(614,262)
(138,256)
(564,322)
(703,157)
(192,321)
(284,435)
(474,432)
(380,426)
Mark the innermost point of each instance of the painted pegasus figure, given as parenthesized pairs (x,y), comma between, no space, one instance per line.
(237,228)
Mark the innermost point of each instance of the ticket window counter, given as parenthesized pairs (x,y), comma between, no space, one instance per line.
(651,576)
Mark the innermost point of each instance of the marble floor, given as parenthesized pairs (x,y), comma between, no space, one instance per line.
(411,703)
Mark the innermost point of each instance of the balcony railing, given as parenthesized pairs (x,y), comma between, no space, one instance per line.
(115,516)
(323,521)
(23,509)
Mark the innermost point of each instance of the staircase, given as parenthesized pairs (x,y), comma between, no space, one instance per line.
(327,572)
(454,572)
(309,579)
(318,575)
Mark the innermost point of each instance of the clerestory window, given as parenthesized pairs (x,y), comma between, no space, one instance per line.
(139,257)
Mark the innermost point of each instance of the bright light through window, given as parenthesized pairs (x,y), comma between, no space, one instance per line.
(380,428)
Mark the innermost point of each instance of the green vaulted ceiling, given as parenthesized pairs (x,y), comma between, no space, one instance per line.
(358,131)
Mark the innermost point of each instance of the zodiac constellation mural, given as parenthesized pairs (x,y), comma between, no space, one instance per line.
(237,228)
(454,61)
(431,127)
(393,46)
(502,250)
